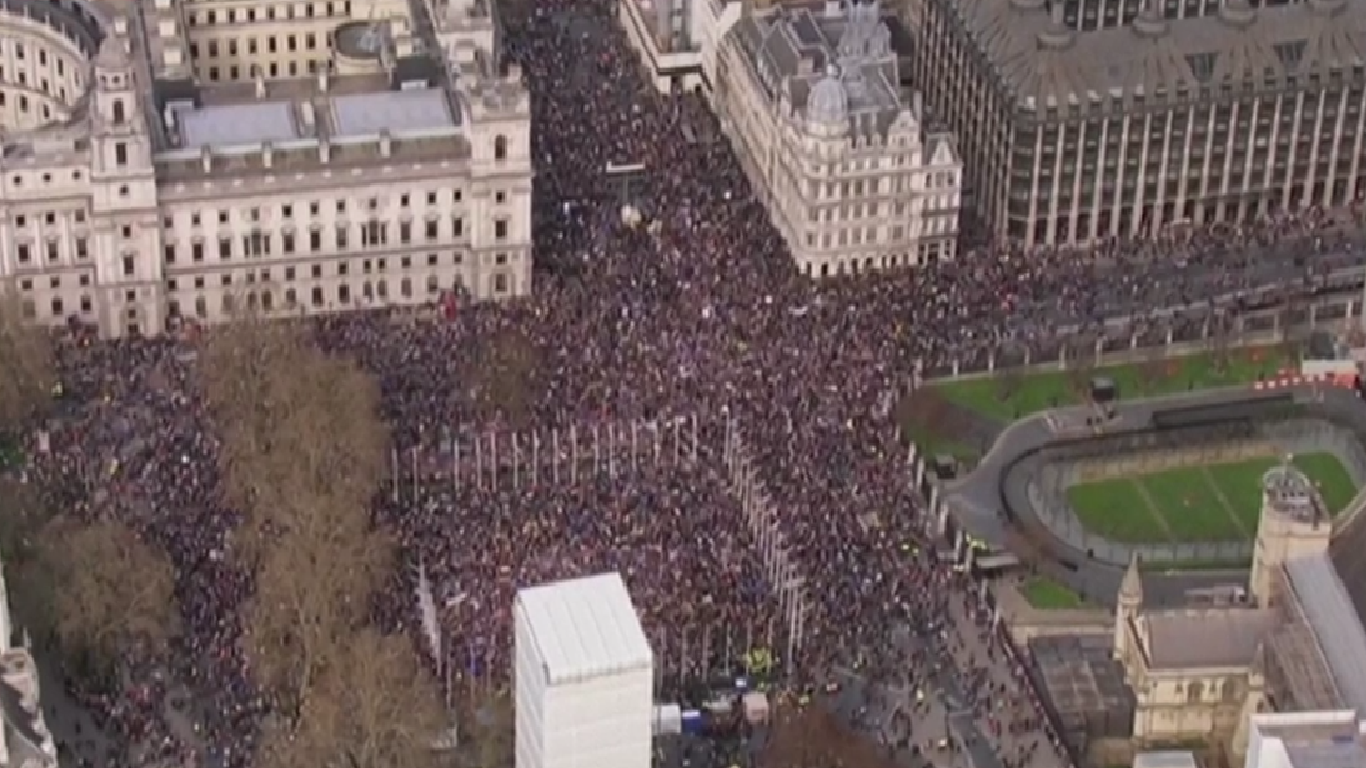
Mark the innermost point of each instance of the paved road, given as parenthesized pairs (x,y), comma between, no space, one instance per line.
(962,691)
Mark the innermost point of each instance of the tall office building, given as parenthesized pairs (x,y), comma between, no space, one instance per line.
(1085,119)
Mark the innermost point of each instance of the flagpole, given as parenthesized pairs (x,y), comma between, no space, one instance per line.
(597,449)
(493,459)
(478,462)
(635,424)
(573,454)
(516,462)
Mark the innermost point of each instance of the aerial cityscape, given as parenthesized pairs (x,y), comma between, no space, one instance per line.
(682,383)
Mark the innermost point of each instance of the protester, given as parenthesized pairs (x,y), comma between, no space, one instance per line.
(696,314)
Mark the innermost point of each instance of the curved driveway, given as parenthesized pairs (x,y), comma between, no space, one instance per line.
(976,501)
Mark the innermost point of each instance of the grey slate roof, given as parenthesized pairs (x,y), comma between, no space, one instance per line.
(1041,59)
(1228,637)
(1328,607)
(799,47)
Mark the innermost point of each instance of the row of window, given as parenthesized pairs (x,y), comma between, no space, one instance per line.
(233,48)
(373,234)
(320,271)
(21,79)
(213,17)
(24,108)
(890,184)
(57,307)
(264,275)
(859,236)
(319,297)
(288,211)
(370,234)
(867,210)
(926,252)
(20,53)
(272,69)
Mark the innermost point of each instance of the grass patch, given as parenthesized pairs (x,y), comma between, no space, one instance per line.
(1046,594)
(1218,502)
(1006,400)
(1116,510)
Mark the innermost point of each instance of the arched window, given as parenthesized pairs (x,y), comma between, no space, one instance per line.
(1195,693)
(500,148)
(119,116)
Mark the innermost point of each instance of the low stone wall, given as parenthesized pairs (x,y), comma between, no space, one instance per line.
(1152,462)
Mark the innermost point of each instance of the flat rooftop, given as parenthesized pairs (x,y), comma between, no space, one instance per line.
(585,628)
(1022,39)
(1331,739)
(234,116)
(1084,684)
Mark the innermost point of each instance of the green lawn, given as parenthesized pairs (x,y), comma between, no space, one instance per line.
(1116,510)
(1219,502)
(1041,390)
(1192,507)
(1046,594)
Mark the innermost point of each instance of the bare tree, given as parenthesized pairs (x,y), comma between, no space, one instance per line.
(487,731)
(1008,382)
(27,365)
(313,592)
(1293,334)
(375,706)
(111,588)
(243,366)
(1081,363)
(305,449)
(1219,341)
(23,519)
(925,411)
(1152,368)
(297,425)
(813,737)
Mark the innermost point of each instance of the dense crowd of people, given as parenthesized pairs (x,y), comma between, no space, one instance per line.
(699,317)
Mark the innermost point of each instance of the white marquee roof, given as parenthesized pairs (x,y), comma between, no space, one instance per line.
(585,628)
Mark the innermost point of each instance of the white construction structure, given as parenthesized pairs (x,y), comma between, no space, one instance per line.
(584,677)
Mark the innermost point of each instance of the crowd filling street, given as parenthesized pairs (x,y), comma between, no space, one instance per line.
(667,332)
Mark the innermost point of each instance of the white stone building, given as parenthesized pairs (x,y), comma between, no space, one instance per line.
(812,101)
(168,159)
